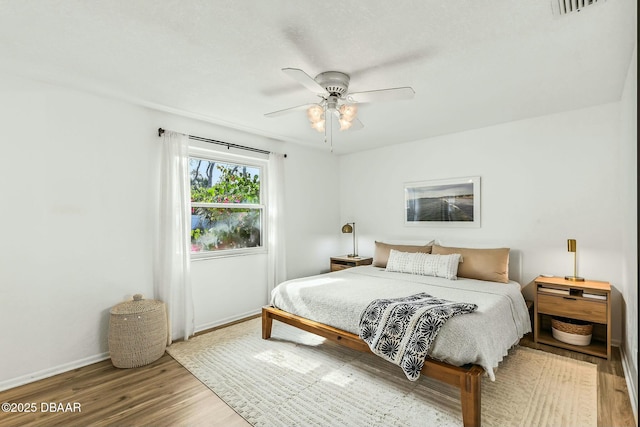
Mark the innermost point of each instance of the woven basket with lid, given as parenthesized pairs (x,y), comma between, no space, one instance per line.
(137,332)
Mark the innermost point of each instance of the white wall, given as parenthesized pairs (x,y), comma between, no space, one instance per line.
(311,213)
(78,184)
(543,180)
(75,222)
(629,205)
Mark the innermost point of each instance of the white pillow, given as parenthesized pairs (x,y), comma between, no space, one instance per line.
(424,264)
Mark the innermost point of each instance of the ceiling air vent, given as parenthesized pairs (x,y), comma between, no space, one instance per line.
(563,7)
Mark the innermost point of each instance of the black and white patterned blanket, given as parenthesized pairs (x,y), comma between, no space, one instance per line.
(401,330)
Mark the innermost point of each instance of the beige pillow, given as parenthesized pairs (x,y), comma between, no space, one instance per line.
(381,252)
(482,264)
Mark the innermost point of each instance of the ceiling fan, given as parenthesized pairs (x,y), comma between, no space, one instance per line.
(336,100)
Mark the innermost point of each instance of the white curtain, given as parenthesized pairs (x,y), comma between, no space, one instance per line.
(275,226)
(172,283)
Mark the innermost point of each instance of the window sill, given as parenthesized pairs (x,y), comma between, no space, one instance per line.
(227,253)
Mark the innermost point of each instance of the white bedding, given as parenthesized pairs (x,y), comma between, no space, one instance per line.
(482,337)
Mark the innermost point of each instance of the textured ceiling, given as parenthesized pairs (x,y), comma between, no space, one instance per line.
(471,63)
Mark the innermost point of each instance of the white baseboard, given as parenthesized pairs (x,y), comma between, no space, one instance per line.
(630,373)
(227,320)
(49,372)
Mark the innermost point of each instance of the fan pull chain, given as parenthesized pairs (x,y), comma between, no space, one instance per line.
(331,137)
(325,131)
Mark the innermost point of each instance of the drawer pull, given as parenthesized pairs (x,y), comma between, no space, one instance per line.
(572,299)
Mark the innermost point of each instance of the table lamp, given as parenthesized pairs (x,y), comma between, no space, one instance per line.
(350,227)
(571,247)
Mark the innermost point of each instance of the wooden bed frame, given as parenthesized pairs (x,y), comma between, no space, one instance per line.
(466,378)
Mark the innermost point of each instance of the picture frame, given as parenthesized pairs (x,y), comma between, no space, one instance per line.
(451,202)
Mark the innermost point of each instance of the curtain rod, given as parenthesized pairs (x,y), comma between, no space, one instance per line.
(226,144)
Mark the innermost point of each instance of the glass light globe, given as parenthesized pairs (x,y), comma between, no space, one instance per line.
(315,113)
(344,124)
(348,111)
(319,125)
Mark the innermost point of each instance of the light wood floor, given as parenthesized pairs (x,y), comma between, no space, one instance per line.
(166,394)
(614,405)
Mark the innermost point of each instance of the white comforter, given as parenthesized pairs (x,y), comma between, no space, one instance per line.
(482,337)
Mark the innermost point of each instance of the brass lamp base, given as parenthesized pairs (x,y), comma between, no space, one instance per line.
(352,256)
(574,278)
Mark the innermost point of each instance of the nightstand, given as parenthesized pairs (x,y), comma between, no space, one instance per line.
(343,262)
(588,301)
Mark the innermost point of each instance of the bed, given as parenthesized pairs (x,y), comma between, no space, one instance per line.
(466,347)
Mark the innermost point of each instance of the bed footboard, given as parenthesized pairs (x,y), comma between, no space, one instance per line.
(337,335)
(466,378)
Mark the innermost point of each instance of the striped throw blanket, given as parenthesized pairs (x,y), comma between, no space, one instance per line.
(401,330)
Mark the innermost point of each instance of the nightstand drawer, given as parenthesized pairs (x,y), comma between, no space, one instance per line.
(576,308)
(338,267)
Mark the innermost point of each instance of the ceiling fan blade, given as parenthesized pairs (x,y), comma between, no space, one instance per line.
(288,110)
(393,94)
(305,80)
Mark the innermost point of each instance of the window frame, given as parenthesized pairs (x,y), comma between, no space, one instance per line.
(235,159)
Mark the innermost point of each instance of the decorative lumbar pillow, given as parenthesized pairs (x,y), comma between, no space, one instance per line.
(424,264)
(482,264)
(381,252)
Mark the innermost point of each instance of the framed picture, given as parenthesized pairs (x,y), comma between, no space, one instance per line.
(443,203)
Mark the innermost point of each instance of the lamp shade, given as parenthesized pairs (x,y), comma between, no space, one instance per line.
(571,245)
(347,228)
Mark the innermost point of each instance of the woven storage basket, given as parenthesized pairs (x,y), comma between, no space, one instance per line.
(137,332)
(571,331)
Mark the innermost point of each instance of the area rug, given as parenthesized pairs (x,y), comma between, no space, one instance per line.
(299,379)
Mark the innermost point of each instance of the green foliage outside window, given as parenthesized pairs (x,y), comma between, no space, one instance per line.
(232,227)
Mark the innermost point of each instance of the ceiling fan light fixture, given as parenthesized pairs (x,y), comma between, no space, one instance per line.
(344,124)
(348,111)
(315,113)
(333,89)
(318,125)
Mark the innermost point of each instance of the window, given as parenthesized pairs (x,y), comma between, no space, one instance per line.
(227,210)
